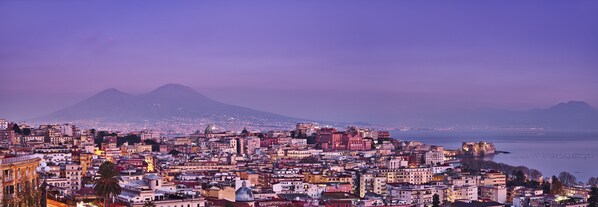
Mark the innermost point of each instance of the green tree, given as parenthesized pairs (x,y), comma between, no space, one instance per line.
(16,128)
(99,137)
(546,187)
(174,152)
(556,186)
(567,179)
(26,131)
(435,200)
(86,180)
(518,178)
(130,139)
(106,184)
(532,184)
(155,145)
(593,200)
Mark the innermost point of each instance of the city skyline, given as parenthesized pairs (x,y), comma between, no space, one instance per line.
(339,103)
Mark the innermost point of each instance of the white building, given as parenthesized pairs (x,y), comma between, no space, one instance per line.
(153,188)
(73,173)
(434,158)
(497,193)
(396,163)
(417,195)
(469,192)
(150,135)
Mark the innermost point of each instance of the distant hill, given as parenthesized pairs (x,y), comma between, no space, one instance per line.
(174,102)
(573,115)
(166,102)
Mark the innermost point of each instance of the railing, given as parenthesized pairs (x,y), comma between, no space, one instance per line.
(18,159)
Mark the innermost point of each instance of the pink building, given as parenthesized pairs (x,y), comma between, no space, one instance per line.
(330,140)
(339,188)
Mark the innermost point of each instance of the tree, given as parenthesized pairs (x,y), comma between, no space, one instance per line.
(593,200)
(174,152)
(106,184)
(86,180)
(155,145)
(519,179)
(26,131)
(99,138)
(16,128)
(229,204)
(435,200)
(532,184)
(593,181)
(556,186)
(546,187)
(149,141)
(535,174)
(130,139)
(567,179)
(149,204)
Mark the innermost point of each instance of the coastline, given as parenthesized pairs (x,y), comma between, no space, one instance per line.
(550,152)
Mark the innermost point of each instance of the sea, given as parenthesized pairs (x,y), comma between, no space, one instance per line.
(550,152)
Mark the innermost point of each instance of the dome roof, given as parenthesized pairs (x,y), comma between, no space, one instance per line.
(245,132)
(244,194)
(209,129)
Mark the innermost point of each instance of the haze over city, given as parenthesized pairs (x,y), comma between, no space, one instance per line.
(383,62)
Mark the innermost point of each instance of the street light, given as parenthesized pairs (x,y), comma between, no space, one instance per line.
(43,169)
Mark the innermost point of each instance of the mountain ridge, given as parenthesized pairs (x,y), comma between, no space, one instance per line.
(565,115)
(173,101)
(167,101)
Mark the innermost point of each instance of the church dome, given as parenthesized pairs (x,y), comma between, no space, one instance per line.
(209,129)
(245,132)
(244,194)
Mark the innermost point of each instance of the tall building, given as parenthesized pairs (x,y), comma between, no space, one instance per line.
(371,183)
(497,193)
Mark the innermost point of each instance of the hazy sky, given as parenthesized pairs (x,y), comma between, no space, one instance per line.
(376,61)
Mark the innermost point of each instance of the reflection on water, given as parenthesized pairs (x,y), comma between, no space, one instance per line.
(550,152)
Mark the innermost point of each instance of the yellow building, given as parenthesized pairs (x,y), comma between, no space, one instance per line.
(20,181)
(313,178)
(226,193)
(85,161)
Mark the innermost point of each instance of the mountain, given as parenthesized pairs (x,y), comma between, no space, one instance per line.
(572,115)
(175,102)
(171,101)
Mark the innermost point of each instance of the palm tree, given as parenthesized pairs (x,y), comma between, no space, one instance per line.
(149,204)
(106,182)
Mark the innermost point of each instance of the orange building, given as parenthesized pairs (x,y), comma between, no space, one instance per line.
(20,181)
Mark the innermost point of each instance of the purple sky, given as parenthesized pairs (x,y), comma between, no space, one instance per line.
(334,60)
